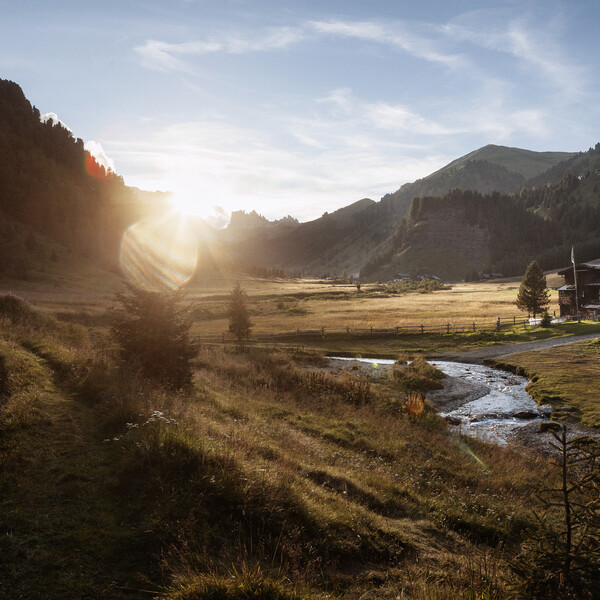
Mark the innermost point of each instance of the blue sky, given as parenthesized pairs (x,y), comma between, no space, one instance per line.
(301,107)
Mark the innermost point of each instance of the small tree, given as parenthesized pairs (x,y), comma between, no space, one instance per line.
(239,320)
(153,333)
(533,296)
(561,556)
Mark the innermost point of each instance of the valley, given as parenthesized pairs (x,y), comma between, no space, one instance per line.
(159,440)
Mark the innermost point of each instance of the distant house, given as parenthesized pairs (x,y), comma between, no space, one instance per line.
(588,290)
(491,275)
(402,276)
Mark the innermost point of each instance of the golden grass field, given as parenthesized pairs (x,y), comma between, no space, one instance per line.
(275,308)
(285,305)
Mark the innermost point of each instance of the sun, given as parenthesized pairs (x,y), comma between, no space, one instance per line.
(188,204)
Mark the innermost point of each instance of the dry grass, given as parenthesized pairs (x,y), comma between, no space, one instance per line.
(268,468)
(269,479)
(464,303)
(287,305)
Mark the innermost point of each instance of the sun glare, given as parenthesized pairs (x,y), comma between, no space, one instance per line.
(188,204)
(159,253)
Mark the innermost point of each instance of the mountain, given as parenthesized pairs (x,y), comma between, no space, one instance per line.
(325,244)
(362,233)
(54,196)
(492,209)
(462,233)
(526,163)
(244,225)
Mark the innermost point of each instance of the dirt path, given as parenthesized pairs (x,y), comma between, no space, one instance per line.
(478,356)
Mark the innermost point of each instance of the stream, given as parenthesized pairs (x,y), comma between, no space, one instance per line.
(481,401)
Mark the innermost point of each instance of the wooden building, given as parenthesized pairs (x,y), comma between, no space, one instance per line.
(588,290)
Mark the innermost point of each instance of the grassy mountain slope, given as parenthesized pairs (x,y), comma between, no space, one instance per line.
(515,160)
(334,242)
(580,164)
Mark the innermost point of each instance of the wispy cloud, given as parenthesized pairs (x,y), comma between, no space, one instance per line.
(339,156)
(400,35)
(166,56)
(536,47)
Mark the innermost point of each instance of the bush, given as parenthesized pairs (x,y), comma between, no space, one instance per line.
(14,308)
(153,335)
(418,376)
(546,320)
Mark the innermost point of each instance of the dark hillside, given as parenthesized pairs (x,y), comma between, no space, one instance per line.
(332,244)
(581,164)
(463,233)
(50,186)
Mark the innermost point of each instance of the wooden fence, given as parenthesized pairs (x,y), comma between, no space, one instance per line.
(421,329)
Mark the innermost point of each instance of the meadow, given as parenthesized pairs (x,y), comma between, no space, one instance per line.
(270,478)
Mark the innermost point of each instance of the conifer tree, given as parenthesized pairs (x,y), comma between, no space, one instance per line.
(239,319)
(152,330)
(533,295)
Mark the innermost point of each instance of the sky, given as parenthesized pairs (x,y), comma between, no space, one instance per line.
(298,106)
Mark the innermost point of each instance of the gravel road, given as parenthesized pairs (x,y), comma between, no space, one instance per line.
(478,356)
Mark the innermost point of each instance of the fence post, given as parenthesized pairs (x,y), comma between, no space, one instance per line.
(348,331)
(473,325)
(515,319)
(371,329)
(422,328)
(397,330)
(498,324)
(448,328)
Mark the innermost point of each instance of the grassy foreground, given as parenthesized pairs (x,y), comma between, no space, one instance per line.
(269,479)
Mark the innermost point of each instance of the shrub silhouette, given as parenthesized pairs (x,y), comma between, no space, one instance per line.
(153,335)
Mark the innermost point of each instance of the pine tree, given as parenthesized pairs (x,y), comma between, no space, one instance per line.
(239,320)
(152,330)
(533,296)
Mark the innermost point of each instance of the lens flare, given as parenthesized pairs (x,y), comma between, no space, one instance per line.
(159,253)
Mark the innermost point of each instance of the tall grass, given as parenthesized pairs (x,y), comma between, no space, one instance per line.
(270,478)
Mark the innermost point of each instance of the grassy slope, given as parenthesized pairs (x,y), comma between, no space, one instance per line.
(269,481)
(566,375)
(525,162)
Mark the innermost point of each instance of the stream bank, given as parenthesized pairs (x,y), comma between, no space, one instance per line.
(477,400)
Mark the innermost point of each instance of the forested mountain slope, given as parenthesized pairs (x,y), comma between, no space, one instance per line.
(464,232)
(53,190)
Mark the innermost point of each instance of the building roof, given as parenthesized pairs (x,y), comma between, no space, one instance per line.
(592,306)
(566,288)
(591,264)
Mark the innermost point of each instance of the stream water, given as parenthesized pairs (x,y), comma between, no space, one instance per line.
(493,404)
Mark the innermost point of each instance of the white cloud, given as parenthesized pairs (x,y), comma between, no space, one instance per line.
(535,45)
(56,121)
(400,35)
(338,157)
(165,56)
(97,151)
